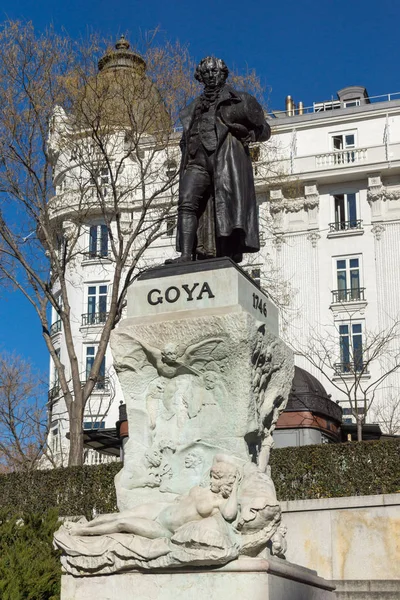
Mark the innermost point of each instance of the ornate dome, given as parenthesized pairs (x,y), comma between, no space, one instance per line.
(122,58)
(121,95)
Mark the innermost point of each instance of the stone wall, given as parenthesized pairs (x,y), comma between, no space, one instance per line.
(355,538)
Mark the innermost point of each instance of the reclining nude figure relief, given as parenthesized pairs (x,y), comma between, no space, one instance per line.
(162,520)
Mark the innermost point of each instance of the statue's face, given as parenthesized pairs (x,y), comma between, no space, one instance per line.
(209,381)
(212,75)
(192,460)
(154,458)
(170,353)
(222,478)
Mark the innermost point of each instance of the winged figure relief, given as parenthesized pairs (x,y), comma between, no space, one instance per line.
(159,368)
(172,360)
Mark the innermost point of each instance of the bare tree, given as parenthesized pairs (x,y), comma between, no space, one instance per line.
(356,364)
(23,419)
(386,412)
(80,141)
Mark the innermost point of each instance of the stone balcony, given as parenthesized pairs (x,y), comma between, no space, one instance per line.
(324,165)
(341,157)
(344,159)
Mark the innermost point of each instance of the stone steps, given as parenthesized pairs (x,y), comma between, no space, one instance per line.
(381,589)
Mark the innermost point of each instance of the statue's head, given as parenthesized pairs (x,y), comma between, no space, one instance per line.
(210,379)
(153,457)
(170,352)
(212,72)
(223,474)
(193,459)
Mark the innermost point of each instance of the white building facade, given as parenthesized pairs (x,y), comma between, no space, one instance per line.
(334,241)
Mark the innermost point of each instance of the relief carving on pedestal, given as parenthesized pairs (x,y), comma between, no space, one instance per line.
(235,513)
(203,399)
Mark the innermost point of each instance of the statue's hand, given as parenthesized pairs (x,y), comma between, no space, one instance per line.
(238,479)
(239,131)
(249,139)
(245,135)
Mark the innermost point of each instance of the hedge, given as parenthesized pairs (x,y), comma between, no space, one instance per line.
(323,471)
(333,470)
(87,490)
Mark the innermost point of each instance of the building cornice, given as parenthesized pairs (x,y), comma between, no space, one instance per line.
(349,115)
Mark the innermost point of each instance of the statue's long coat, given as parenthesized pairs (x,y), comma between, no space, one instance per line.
(232,212)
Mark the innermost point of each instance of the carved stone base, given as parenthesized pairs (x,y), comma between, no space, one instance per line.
(243,579)
(203,372)
(205,377)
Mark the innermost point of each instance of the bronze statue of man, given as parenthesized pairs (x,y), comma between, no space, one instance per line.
(217,209)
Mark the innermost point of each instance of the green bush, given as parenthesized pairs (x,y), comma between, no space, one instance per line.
(328,471)
(29,567)
(354,469)
(73,491)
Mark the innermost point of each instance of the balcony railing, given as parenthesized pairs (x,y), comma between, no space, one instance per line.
(53,392)
(55,327)
(345,225)
(341,157)
(102,384)
(350,368)
(352,295)
(98,318)
(96,255)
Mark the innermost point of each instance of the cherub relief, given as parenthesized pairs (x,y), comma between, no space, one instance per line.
(172,360)
(168,394)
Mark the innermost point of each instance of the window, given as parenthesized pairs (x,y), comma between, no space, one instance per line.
(100,176)
(94,425)
(351,103)
(60,242)
(62,185)
(55,326)
(98,241)
(96,305)
(170,226)
(344,141)
(345,211)
(349,411)
(347,280)
(343,145)
(55,380)
(55,444)
(90,356)
(351,350)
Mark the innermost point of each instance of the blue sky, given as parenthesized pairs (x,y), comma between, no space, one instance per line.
(308,49)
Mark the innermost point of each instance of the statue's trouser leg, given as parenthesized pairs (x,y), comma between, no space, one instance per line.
(193,194)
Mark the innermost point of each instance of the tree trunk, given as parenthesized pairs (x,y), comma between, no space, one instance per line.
(76,437)
(359,429)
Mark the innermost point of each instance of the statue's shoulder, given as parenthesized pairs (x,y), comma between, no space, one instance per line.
(245,109)
(248,99)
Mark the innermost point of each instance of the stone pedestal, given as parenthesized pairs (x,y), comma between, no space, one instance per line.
(202,370)
(205,377)
(243,579)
